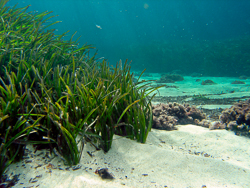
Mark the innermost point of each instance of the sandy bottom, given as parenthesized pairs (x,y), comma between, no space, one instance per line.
(191,156)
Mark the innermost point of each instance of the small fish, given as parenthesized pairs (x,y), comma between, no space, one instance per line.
(98,26)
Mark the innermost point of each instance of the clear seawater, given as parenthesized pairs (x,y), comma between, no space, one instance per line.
(208,37)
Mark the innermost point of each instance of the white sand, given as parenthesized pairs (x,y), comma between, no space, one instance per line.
(191,156)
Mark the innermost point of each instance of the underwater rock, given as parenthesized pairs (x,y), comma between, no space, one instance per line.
(217,125)
(104,174)
(211,124)
(205,123)
(243,77)
(170,78)
(208,82)
(238,82)
(172,86)
(166,116)
(237,117)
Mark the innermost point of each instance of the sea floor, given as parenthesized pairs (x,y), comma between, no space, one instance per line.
(191,156)
(212,99)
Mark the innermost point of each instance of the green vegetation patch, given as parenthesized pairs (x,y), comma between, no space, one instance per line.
(52,93)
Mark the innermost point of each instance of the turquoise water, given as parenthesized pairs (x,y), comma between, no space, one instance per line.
(207,37)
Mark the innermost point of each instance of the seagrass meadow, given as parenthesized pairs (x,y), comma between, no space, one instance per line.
(54,95)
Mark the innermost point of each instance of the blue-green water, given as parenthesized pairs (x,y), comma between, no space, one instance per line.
(208,37)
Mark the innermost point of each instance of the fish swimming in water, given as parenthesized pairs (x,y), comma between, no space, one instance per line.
(98,26)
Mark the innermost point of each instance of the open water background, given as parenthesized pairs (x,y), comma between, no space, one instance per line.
(208,37)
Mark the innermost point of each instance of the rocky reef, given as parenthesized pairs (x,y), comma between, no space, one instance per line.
(208,82)
(166,116)
(238,82)
(170,78)
(212,124)
(237,117)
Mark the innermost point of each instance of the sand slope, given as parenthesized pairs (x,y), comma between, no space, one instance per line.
(191,156)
